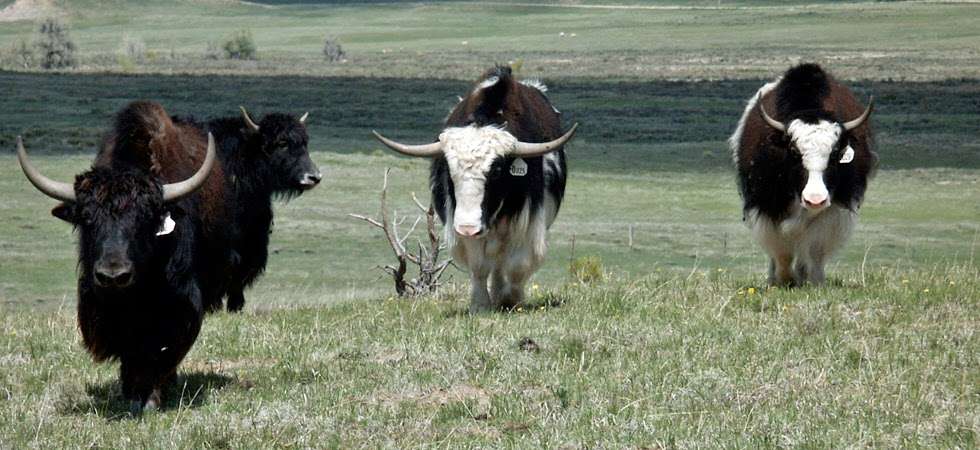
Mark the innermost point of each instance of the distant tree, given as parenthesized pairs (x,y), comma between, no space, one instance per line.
(240,45)
(134,48)
(23,54)
(332,51)
(55,45)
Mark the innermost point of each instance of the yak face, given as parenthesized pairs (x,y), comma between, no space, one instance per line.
(284,155)
(477,160)
(823,147)
(123,225)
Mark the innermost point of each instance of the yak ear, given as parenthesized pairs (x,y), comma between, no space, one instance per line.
(176,211)
(64,211)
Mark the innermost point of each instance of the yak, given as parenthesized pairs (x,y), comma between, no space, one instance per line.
(804,153)
(497,178)
(260,161)
(144,212)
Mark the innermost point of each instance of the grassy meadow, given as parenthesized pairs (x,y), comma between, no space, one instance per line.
(629,40)
(679,345)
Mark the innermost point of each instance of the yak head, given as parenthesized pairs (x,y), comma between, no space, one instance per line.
(479,151)
(124,216)
(278,147)
(823,145)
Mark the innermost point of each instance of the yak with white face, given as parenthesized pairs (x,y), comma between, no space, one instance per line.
(497,179)
(804,154)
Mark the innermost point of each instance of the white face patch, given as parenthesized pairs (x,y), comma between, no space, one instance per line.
(168,226)
(470,152)
(848,155)
(815,143)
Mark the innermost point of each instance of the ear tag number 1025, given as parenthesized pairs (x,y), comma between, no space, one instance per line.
(518,168)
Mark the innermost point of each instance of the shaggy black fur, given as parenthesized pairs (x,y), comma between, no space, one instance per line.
(150,324)
(271,163)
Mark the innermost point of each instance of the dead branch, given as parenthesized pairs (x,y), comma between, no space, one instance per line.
(430,268)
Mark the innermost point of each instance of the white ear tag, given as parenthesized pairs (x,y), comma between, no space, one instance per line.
(168,226)
(848,155)
(518,168)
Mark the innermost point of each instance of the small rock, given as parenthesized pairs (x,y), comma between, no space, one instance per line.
(528,345)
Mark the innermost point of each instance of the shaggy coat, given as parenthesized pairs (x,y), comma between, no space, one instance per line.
(258,165)
(517,206)
(150,324)
(774,169)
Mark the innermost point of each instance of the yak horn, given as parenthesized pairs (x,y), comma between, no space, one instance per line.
(864,116)
(772,122)
(175,191)
(424,150)
(530,150)
(302,120)
(55,189)
(248,120)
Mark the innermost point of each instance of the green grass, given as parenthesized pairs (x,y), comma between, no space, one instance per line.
(657,361)
(864,40)
(677,344)
(680,345)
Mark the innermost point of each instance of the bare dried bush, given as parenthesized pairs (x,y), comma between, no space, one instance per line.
(332,50)
(430,268)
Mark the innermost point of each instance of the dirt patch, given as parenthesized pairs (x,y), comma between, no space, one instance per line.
(440,397)
(233,365)
(28,10)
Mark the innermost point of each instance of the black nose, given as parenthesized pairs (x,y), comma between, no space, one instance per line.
(114,274)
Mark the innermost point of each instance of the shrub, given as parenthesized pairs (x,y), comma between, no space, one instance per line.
(587,269)
(133,48)
(240,45)
(56,47)
(332,51)
(211,51)
(22,54)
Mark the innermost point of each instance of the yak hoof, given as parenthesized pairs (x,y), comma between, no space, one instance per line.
(153,402)
(236,303)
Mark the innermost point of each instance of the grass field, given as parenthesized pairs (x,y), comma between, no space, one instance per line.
(680,345)
(674,40)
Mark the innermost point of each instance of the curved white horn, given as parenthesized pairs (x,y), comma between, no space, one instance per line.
(302,120)
(175,191)
(248,120)
(864,116)
(772,122)
(530,150)
(55,189)
(424,150)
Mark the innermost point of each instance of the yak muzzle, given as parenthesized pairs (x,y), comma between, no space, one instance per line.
(116,274)
(469,231)
(310,179)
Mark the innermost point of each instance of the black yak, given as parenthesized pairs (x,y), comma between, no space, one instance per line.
(804,154)
(260,160)
(143,212)
(497,178)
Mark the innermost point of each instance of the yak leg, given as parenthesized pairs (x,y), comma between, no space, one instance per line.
(479,297)
(236,297)
(140,384)
(513,273)
(776,245)
(824,237)
(472,254)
